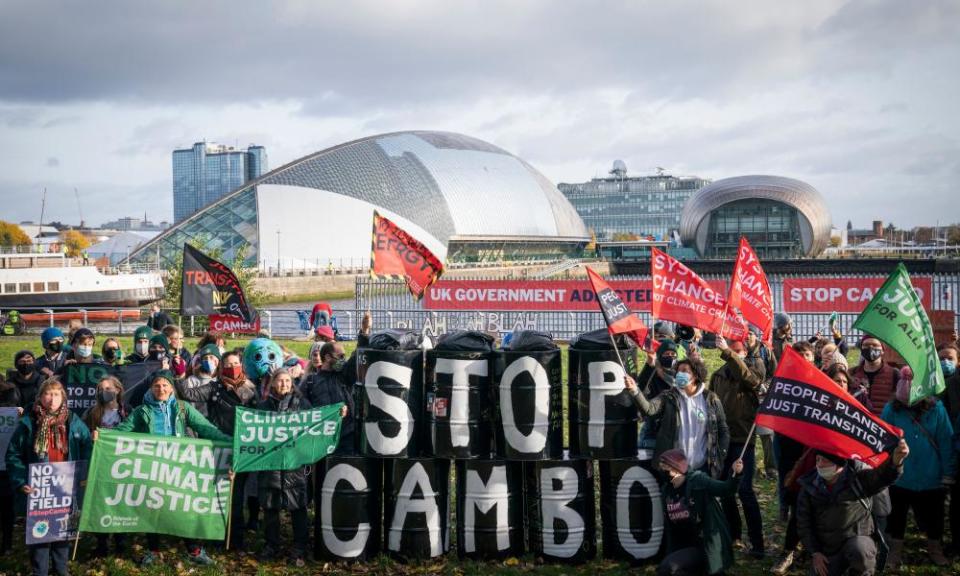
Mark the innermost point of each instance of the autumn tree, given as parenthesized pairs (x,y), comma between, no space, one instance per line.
(13,235)
(75,242)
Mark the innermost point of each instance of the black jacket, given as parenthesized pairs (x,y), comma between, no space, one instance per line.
(283,489)
(9,395)
(159,321)
(221,401)
(324,388)
(27,385)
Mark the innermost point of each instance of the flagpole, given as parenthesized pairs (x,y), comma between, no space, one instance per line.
(76,542)
(617,350)
(747,443)
(229,513)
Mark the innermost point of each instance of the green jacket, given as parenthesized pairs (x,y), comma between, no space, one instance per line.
(738,384)
(141,420)
(703,492)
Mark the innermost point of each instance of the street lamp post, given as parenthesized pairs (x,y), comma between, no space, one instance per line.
(278,251)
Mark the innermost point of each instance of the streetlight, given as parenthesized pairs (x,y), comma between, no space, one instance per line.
(278,251)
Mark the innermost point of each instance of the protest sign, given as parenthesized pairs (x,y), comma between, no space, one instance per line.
(803,403)
(896,316)
(210,287)
(80,381)
(8,422)
(618,317)
(150,484)
(750,290)
(394,252)
(284,440)
(54,504)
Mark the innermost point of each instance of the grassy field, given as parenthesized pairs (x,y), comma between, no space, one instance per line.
(174,562)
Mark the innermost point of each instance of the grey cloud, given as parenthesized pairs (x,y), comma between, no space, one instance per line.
(53,162)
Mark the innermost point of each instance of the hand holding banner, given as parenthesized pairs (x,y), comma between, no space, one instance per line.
(394,252)
(803,403)
(750,291)
(266,440)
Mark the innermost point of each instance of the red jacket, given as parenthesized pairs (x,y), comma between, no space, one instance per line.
(884,385)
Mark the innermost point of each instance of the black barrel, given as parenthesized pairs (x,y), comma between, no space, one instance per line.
(631,510)
(529,395)
(417,508)
(348,508)
(560,510)
(460,398)
(489,509)
(392,408)
(602,416)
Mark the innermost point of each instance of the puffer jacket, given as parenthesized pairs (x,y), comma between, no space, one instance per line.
(738,384)
(221,401)
(28,386)
(826,518)
(283,489)
(666,406)
(883,387)
(326,387)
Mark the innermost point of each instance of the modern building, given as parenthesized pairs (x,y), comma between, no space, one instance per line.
(207,172)
(463,198)
(780,217)
(622,207)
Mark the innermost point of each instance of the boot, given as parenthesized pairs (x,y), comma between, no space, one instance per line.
(894,556)
(935,550)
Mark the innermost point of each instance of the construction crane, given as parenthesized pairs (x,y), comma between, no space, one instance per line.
(79,206)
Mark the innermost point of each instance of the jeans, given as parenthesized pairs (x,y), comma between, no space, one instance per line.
(751,508)
(301,530)
(858,557)
(42,555)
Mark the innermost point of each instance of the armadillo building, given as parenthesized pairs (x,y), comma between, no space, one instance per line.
(466,199)
(780,217)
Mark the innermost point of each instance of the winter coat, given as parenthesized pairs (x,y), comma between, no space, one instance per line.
(141,420)
(702,492)
(950,396)
(20,452)
(883,388)
(9,395)
(827,518)
(28,386)
(929,462)
(159,321)
(738,385)
(221,401)
(196,381)
(283,489)
(666,406)
(326,387)
(762,355)
(779,343)
(53,364)
(656,386)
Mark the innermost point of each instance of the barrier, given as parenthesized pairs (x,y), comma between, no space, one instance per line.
(489,509)
(631,510)
(560,510)
(417,508)
(349,507)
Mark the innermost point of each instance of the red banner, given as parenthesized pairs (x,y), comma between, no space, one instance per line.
(618,317)
(223,323)
(750,291)
(842,294)
(680,295)
(393,252)
(803,403)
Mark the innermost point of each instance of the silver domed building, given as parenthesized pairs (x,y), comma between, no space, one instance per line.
(780,217)
(464,198)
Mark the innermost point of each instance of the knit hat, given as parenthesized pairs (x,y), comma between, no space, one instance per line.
(142,333)
(49,334)
(663,330)
(209,350)
(291,362)
(675,459)
(839,359)
(666,346)
(868,336)
(165,374)
(21,355)
(162,340)
(81,333)
(838,460)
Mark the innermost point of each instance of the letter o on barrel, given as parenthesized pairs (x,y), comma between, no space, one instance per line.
(348,504)
(631,509)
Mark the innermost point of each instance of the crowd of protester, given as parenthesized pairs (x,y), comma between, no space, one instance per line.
(840,515)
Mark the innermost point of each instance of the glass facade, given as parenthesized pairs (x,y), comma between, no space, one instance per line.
(619,206)
(771,227)
(206,172)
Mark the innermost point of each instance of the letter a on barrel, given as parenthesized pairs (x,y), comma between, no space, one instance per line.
(417,514)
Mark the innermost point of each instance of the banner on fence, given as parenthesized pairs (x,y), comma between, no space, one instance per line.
(53,506)
(234,324)
(8,422)
(266,440)
(145,483)
(848,294)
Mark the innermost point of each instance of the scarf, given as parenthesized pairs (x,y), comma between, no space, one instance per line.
(50,423)
(164,414)
(233,383)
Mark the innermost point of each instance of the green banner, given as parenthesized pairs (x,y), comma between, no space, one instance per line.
(896,316)
(157,484)
(265,440)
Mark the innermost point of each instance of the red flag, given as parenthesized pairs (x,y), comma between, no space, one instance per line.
(750,291)
(681,296)
(393,252)
(806,405)
(618,317)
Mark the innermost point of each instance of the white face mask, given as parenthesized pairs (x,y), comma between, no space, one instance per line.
(141,348)
(85,351)
(828,473)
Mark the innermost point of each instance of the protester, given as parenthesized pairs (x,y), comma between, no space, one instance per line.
(825,355)
(806,350)
(284,489)
(221,398)
(141,345)
(161,414)
(655,378)
(738,384)
(81,349)
(782,333)
(688,339)
(758,352)
(837,340)
(53,355)
(49,433)
(331,382)
(933,467)
(107,413)
(9,398)
(180,357)
(691,418)
(26,377)
(112,354)
(949,356)
(294,366)
(206,371)
(878,377)
(214,338)
(841,375)
(697,536)
(158,318)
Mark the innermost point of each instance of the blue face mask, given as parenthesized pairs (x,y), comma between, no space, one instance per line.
(949,367)
(681,380)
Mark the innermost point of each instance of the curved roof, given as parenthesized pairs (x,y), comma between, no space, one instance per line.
(795,193)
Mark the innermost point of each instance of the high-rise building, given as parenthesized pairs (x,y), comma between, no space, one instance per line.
(208,171)
(620,206)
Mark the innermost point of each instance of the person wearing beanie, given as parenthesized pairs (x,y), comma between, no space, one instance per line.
(205,372)
(697,539)
(782,333)
(161,414)
(655,378)
(26,377)
(141,345)
(53,357)
(874,374)
(835,511)
(758,353)
(739,383)
(81,349)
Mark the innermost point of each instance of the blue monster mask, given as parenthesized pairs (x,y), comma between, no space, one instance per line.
(261,356)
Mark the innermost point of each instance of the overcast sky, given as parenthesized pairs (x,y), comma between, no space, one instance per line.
(860,99)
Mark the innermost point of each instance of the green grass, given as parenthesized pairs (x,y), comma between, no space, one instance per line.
(16,561)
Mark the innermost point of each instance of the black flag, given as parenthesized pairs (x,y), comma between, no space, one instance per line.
(210,287)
